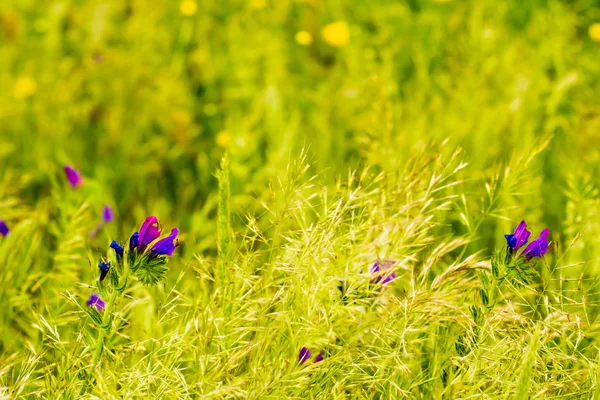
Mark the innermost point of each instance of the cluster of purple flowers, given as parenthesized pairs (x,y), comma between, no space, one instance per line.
(143,245)
(380,270)
(148,233)
(380,273)
(518,239)
(305,354)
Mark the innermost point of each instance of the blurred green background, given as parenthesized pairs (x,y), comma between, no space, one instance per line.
(144,97)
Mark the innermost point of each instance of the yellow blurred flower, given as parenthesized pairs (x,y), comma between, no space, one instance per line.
(304,38)
(188,7)
(258,4)
(25,86)
(336,34)
(223,139)
(181,118)
(594,32)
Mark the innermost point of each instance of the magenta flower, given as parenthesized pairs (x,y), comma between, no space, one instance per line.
(73,176)
(107,214)
(304,355)
(538,247)
(96,301)
(149,232)
(518,239)
(3,228)
(380,268)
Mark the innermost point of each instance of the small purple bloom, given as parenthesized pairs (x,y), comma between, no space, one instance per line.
(319,357)
(538,247)
(104,267)
(379,268)
(389,278)
(304,355)
(3,228)
(149,232)
(107,214)
(166,246)
(518,239)
(118,249)
(134,241)
(96,301)
(73,176)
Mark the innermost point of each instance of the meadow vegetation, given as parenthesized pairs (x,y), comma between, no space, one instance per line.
(295,144)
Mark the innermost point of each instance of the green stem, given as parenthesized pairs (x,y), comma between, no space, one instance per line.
(108,313)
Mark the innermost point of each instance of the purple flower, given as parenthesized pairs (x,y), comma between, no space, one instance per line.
(3,228)
(107,214)
(73,176)
(166,246)
(149,232)
(118,249)
(134,241)
(96,301)
(304,355)
(538,247)
(379,268)
(319,357)
(104,267)
(518,239)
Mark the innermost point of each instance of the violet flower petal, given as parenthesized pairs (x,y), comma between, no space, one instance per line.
(518,239)
(149,232)
(304,355)
(107,214)
(538,247)
(3,228)
(96,301)
(165,246)
(379,268)
(389,278)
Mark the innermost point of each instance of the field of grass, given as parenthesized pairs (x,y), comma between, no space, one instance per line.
(342,175)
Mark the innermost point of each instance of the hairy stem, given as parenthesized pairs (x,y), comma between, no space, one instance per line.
(108,312)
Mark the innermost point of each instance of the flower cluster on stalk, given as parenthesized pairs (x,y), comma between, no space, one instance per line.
(147,252)
(146,256)
(519,238)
